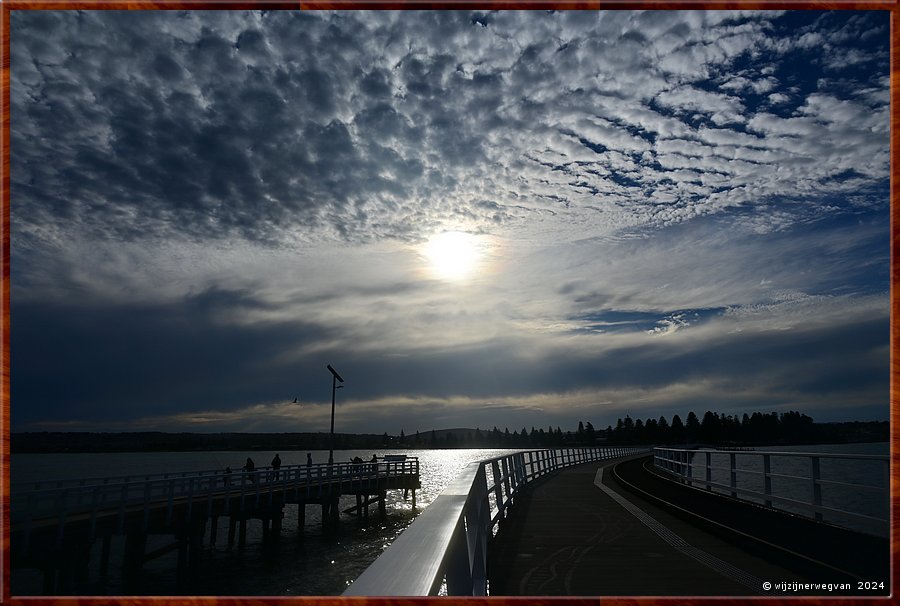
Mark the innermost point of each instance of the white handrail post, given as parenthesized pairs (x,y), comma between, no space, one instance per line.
(520,460)
(94,500)
(498,490)
(169,501)
(61,521)
(689,459)
(733,481)
(146,519)
(458,570)
(121,524)
(190,501)
(709,471)
(816,487)
(505,468)
(478,520)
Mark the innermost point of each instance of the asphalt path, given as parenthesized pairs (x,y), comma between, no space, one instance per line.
(585,531)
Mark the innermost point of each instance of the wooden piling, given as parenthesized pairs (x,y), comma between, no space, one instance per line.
(181,574)
(382,505)
(242,533)
(277,515)
(195,546)
(213,531)
(133,558)
(104,558)
(80,566)
(49,587)
(232,522)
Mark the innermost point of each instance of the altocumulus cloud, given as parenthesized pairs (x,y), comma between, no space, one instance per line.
(678,210)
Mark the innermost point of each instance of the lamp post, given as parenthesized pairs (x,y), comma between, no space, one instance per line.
(335,377)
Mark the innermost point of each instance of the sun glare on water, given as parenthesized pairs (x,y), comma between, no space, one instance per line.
(452,255)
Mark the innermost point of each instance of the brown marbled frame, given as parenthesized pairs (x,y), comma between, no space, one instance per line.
(9,5)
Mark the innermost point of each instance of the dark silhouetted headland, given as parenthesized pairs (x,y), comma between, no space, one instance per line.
(715,430)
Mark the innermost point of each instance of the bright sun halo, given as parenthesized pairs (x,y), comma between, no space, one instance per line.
(452,255)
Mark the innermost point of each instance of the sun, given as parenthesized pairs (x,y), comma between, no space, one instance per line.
(452,255)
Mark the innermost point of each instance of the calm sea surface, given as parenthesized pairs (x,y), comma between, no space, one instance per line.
(308,562)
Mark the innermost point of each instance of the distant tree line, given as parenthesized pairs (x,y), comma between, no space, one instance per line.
(484,438)
(790,427)
(714,429)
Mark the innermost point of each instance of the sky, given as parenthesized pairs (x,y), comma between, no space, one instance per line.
(479,219)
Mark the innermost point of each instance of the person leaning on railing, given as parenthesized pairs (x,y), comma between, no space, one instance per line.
(250,468)
(276,465)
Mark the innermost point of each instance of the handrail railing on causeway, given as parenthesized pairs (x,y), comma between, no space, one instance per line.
(448,541)
(801,475)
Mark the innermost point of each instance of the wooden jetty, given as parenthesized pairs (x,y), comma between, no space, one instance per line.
(54,527)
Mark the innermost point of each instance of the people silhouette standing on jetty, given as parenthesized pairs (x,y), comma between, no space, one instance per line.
(308,460)
(227,478)
(276,465)
(249,467)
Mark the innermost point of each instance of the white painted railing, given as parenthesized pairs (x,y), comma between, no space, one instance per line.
(749,474)
(102,496)
(448,541)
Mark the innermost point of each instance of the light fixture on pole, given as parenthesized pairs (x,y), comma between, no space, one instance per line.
(335,377)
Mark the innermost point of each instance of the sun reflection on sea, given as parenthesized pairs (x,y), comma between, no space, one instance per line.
(437,468)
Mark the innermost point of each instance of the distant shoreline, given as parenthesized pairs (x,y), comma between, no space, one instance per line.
(120,442)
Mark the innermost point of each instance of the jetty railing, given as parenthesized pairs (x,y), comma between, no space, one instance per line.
(445,548)
(102,496)
(795,482)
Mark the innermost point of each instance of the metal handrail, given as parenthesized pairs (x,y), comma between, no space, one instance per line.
(448,541)
(56,484)
(680,463)
(22,486)
(28,485)
(781,453)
